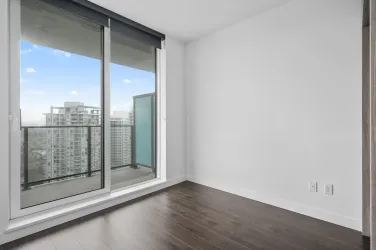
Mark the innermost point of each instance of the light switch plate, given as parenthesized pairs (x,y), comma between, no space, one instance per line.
(313,186)
(329,189)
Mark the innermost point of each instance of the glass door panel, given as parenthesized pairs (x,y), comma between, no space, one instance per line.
(133,87)
(60,104)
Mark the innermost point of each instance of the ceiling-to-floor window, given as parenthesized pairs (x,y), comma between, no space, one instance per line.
(60,104)
(83,104)
(133,87)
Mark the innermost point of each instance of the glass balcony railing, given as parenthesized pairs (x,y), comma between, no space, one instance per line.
(52,154)
(45,159)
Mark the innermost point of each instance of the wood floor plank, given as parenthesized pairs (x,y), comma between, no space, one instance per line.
(269,226)
(226,226)
(164,223)
(105,235)
(189,216)
(221,241)
(148,236)
(302,225)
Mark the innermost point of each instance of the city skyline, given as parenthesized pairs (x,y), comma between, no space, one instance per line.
(50,77)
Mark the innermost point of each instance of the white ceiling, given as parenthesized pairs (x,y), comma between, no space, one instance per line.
(188,19)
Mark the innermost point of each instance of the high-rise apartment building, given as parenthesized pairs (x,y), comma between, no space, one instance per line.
(121,131)
(68,146)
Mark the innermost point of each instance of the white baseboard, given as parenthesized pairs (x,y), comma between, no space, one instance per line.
(338,219)
(29,225)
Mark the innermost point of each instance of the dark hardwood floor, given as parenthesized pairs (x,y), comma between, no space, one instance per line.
(191,216)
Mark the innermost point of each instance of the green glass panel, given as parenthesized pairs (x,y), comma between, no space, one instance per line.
(144,129)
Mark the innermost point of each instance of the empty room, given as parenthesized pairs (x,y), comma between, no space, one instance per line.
(188,124)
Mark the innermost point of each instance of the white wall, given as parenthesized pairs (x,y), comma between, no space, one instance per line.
(275,102)
(175,109)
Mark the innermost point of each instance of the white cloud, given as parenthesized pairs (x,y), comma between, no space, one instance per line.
(62,53)
(74,93)
(26,51)
(23,80)
(30,70)
(127,81)
(35,46)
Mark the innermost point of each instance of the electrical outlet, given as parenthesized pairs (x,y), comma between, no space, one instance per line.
(329,189)
(313,186)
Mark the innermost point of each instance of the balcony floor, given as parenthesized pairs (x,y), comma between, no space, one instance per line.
(121,177)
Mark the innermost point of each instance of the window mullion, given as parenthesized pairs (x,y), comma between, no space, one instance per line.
(106,105)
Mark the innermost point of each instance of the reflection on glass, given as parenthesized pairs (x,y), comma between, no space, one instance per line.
(132,111)
(60,96)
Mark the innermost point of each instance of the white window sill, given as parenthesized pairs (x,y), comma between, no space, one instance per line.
(108,200)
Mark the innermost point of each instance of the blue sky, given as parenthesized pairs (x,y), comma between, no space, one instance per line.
(49,77)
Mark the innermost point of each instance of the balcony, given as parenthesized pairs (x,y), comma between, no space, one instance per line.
(59,161)
(47,174)
(48,191)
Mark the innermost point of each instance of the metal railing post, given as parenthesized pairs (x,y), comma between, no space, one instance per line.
(133,148)
(26,158)
(89,152)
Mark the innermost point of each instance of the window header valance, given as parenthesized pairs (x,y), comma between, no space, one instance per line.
(102,16)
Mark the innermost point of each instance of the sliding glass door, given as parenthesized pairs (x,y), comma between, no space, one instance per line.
(133,86)
(60,104)
(83,106)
